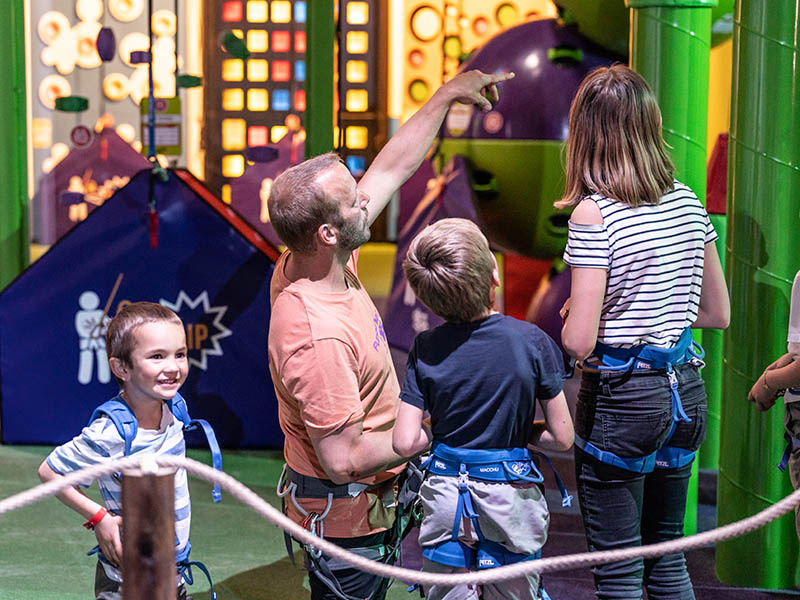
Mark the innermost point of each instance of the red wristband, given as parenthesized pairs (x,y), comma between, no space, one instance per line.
(96,518)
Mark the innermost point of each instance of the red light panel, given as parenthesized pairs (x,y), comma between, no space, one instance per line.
(299,41)
(281,42)
(280,70)
(300,100)
(232,11)
(257,135)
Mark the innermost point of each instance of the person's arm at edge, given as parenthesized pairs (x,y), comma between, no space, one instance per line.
(714,311)
(772,381)
(588,288)
(555,432)
(406,149)
(411,434)
(106,531)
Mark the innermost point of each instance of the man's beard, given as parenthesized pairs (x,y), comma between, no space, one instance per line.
(352,234)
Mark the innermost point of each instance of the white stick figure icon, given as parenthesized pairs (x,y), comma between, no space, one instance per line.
(90,323)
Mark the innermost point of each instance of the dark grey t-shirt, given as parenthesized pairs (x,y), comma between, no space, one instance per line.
(479,381)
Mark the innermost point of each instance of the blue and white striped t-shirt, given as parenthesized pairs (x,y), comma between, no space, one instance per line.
(101,443)
(654,258)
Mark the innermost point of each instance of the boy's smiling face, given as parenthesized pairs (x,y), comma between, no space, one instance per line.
(158,365)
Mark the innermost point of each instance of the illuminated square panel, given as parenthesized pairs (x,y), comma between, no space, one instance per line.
(257,135)
(257,100)
(355,137)
(257,69)
(233,165)
(299,41)
(300,100)
(281,100)
(356,71)
(233,99)
(232,11)
(281,11)
(257,40)
(281,41)
(357,13)
(300,12)
(232,69)
(281,70)
(357,42)
(356,100)
(233,134)
(300,70)
(277,133)
(257,11)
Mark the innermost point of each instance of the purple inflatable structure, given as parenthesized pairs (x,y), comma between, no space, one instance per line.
(81,182)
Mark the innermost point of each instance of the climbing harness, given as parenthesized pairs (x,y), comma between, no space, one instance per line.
(611,359)
(296,486)
(512,465)
(124,420)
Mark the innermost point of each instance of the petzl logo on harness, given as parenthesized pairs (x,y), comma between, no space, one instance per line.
(520,468)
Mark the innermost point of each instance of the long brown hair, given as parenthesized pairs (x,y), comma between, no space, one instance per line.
(615,146)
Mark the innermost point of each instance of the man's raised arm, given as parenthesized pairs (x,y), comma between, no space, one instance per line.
(405,150)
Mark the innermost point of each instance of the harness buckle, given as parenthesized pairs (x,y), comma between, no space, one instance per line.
(673,379)
(463,477)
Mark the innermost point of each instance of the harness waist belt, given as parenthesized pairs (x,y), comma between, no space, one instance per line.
(314,487)
(510,465)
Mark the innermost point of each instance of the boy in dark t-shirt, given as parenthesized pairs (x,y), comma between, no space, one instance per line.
(479,376)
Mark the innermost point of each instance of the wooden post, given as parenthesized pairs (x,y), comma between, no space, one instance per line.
(148,536)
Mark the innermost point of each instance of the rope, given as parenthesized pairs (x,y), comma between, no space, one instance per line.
(151,464)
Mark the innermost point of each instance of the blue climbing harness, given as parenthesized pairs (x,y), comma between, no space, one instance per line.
(644,358)
(513,465)
(124,420)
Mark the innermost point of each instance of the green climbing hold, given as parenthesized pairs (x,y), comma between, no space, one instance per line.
(235,45)
(72,103)
(189,81)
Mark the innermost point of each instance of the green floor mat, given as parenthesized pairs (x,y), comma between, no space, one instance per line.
(43,546)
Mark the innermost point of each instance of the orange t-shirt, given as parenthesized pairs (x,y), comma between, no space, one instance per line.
(331,366)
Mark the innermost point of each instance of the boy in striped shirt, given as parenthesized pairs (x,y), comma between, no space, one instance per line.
(146,347)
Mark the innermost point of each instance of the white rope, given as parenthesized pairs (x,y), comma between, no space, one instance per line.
(259,505)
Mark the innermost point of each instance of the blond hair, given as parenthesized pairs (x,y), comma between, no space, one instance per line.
(615,146)
(298,204)
(449,266)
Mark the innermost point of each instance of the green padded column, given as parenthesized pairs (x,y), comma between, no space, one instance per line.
(669,46)
(712,374)
(321,31)
(14,249)
(763,256)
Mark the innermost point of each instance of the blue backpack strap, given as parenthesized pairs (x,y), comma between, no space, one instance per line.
(122,417)
(185,568)
(178,407)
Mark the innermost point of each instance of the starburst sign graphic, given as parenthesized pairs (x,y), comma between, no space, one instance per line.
(208,346)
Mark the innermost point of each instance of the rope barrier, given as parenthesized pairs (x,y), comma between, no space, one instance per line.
(151,464)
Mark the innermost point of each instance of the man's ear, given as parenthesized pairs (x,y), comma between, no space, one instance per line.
(327,234)
(119,368)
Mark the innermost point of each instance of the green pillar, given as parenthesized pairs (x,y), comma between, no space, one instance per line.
(14,240)
(319,77)
(763,256)
(708,456)
(669,46)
